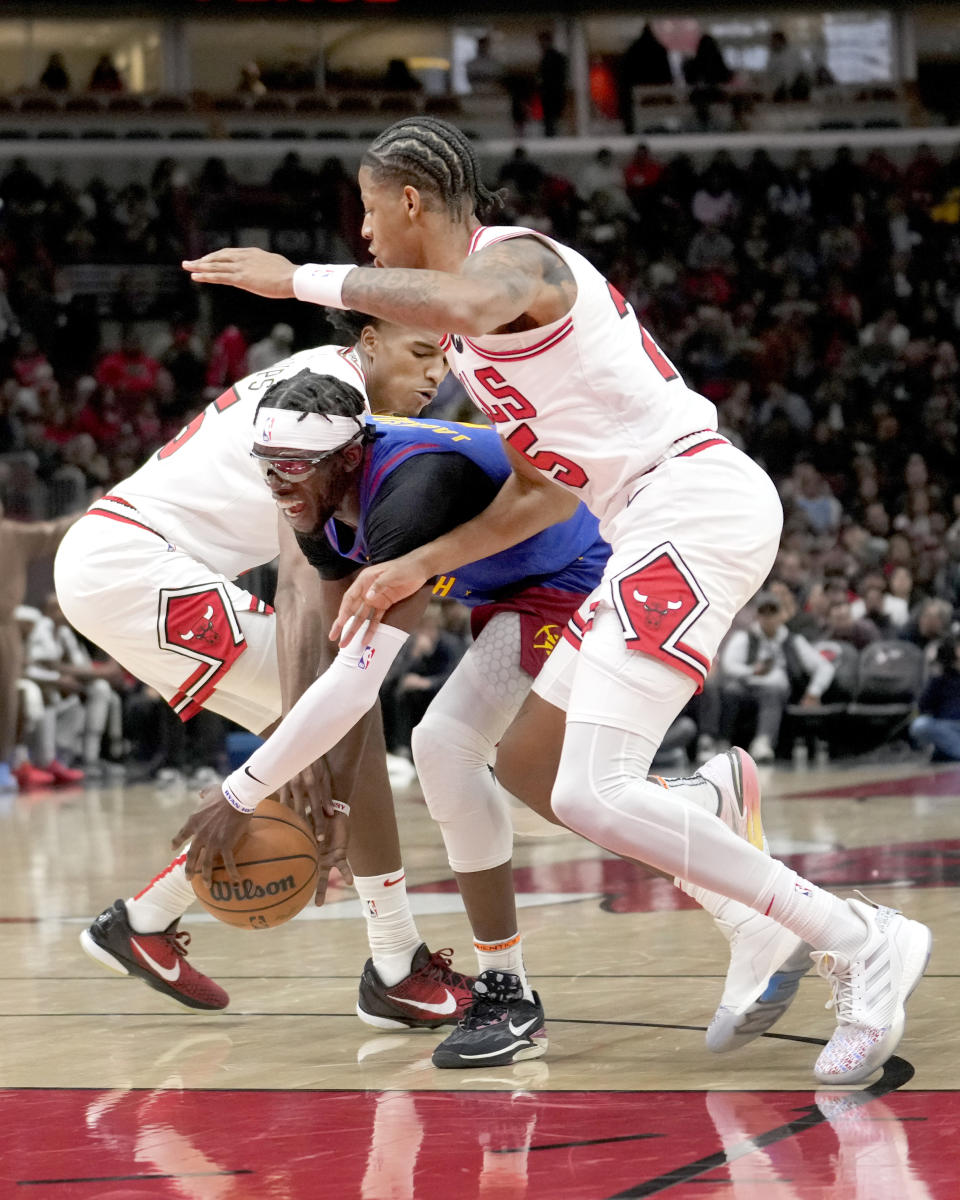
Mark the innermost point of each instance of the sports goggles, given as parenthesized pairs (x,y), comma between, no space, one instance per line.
(291,470)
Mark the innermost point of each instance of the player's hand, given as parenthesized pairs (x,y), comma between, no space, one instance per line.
(214,831)
(246,267)
(333,853)
(375,590)
(310,794)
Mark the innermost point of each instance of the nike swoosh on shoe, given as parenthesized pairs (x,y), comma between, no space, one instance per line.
(170,974)
(518,1030)
(445,1009)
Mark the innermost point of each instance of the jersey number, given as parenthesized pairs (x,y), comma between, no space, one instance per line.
(515,407)
(663,364)
(563,470)
(221,404)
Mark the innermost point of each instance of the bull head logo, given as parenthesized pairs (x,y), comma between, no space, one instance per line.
(656,608)
(203,630)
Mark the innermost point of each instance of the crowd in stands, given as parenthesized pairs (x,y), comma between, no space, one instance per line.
(817,305)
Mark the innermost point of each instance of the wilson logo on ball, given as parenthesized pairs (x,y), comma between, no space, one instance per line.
(246,889)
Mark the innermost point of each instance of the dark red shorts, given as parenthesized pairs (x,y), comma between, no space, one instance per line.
(544,613)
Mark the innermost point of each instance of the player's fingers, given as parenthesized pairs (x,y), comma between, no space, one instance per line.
(229,863)
(184,832)
(190,866)
(322,880)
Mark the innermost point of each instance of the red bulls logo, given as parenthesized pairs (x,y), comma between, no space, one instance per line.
(658,600)
(199,623)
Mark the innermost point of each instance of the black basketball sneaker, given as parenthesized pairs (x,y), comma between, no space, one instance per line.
(433,994)
(159,959)
(498,1029)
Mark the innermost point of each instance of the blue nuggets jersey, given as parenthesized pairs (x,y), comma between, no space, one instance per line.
(569,556)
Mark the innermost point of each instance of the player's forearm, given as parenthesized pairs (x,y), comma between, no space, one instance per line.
(327,710)
(434,300)
(518,511)
(303,650)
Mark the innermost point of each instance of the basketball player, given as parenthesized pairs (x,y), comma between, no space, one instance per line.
(356,492)
(147,573)
(591,409)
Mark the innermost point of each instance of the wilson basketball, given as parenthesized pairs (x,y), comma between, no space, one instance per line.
(278,861)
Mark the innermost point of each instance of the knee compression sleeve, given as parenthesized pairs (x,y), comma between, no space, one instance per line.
(455,742)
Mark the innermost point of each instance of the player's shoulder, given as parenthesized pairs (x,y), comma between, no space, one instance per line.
(339,361)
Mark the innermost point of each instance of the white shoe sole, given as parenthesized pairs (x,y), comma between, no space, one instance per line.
(915,942)
(103,957)
(733,1028)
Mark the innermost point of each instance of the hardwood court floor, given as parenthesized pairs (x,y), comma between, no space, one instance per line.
(109,1091)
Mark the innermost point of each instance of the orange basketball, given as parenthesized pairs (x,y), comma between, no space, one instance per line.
(278,861)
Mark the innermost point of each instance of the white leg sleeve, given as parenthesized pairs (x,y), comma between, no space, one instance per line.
(455,743)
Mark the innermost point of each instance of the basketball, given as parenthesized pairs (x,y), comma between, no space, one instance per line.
(278,861)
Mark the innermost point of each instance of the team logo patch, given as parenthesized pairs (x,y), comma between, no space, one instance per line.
(658,600)
(366,658)
(199,623)
(546,638)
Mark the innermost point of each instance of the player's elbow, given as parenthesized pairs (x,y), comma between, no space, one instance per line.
(481,310)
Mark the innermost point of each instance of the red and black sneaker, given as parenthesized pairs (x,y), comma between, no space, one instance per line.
(431,995)
(159,959)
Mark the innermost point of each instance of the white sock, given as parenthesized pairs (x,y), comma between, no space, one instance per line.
(165,899)
(506,955)
(391,929)
(822,919)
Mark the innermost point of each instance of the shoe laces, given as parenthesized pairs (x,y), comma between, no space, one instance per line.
(439,968)
(836,971)
(490,1002)
(178,940)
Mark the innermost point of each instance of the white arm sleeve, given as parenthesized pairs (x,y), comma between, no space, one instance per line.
(327,710)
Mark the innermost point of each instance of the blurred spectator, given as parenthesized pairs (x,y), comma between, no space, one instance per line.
(707,75)
(786,74)
(841,626)
(292,178)
(640,177)
(601,177)
(484,71)
(20,544)
(129,372)
(184,361)
(938,724)
(762,667)
(54,77)
(227,363)
(105,77)
(249,82)
(930,623)
(645,63)
(552,83)
(269,350)
(521,173)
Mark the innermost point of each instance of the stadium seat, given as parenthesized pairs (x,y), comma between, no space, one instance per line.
(889,680)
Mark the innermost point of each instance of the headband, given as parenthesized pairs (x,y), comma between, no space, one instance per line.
(292,430)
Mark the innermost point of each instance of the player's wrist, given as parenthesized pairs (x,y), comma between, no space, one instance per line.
(235,793)
(321,283)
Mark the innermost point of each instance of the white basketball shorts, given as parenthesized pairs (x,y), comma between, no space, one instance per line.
(696,540)
(193,635)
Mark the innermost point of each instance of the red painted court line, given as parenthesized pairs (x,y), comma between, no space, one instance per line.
(538,1145)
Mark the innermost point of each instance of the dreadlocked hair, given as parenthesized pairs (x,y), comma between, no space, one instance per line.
(307,392)
(433,155)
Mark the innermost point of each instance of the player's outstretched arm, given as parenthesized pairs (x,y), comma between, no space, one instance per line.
(493,288)
(527,503)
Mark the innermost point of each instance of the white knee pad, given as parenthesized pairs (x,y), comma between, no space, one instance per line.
(452,760)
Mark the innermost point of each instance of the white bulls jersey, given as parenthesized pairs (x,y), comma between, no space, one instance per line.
(203,492)
(590,400)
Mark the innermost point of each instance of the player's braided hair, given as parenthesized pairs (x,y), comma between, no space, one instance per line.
(435,156)
(308,392)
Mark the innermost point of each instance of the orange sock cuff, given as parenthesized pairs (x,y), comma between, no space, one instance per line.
(496,947)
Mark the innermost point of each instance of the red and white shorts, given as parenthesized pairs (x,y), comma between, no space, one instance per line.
(696,540)
(193,635)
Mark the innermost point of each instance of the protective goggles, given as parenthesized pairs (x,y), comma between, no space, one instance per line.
(291,470)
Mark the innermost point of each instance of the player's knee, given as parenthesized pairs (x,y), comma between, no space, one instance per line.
(445,751)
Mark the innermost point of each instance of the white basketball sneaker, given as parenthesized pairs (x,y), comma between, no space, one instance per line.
(734,776)
(870,991)
(767,961)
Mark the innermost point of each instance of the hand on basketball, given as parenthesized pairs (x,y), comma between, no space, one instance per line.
(375,590)
(245,267)
(333,853)
(213,831)
(309,794)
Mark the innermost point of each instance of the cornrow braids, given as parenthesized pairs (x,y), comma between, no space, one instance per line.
(436,156)
(310,392)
